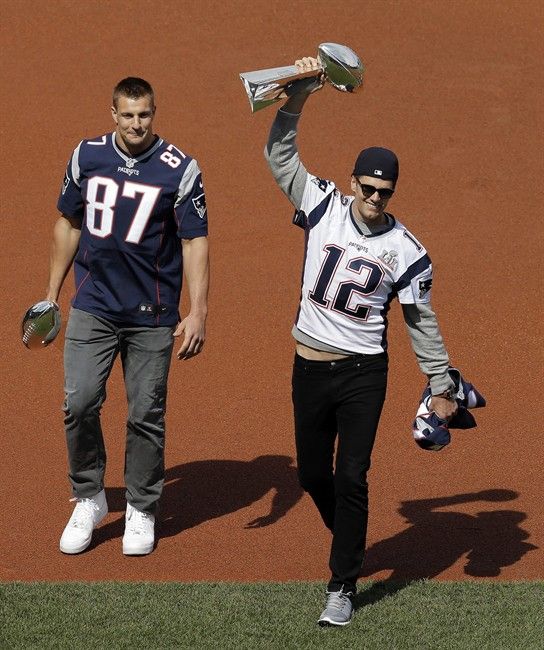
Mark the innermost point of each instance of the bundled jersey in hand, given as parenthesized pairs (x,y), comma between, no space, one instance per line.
(432,432)
(134,211)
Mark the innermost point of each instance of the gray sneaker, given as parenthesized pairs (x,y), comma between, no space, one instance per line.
(338,610)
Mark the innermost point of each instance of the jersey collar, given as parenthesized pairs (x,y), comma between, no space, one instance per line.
(367,232)
(129,161)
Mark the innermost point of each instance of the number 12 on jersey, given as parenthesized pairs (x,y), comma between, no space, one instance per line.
(369,275)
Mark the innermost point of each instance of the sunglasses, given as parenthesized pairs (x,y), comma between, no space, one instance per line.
(369,190)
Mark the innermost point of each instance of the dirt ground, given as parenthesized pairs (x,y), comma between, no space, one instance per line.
(455,88)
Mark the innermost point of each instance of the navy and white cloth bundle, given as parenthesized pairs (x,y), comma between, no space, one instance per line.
(433,433)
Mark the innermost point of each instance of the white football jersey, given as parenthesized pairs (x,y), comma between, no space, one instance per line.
(349,278)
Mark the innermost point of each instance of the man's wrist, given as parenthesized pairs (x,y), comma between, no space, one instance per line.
(284,111)
(446,394)
(441,382)
(52,296)
(201,312)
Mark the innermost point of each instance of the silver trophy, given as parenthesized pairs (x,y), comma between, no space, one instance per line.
(342,68)
(41,324)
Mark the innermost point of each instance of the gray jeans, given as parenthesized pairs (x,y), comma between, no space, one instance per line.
(91,347)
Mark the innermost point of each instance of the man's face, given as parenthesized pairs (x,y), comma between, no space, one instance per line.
(134,119)
(368,204)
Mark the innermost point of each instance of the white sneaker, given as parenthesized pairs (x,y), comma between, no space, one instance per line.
(139,537)
(87,514)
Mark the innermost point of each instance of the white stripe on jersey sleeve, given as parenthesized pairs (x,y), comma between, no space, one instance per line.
(75,164)
(187,181)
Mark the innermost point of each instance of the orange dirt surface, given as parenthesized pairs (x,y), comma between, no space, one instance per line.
(455,89)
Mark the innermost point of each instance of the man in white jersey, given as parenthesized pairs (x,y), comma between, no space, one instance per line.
(358,257)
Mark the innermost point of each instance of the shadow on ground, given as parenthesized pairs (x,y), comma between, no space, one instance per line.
(435,540)
(199,491)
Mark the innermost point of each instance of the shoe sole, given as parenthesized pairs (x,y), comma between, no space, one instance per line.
(74,550)
(326,622)
(138,550)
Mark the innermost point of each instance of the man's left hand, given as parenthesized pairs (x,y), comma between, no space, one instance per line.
(443,407)
(193,329)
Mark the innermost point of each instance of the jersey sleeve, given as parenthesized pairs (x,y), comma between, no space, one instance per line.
(414,285)
(318,194)
(190,204)
(70,201)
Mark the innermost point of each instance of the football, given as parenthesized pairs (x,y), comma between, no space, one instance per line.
(41,324)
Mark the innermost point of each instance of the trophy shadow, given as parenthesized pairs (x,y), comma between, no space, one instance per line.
(435,540)
(200,491)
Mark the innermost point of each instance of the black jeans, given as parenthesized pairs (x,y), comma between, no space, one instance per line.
(341,399)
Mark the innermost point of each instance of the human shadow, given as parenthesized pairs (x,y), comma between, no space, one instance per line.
(435,540)
(199,491)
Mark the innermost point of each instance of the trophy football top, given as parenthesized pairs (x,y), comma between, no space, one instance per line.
(342,67)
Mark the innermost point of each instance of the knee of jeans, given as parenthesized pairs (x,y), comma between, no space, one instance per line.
(78,404)
(346,484)
(147,410)
(312,481)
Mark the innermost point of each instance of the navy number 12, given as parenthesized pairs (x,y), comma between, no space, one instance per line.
(371,275)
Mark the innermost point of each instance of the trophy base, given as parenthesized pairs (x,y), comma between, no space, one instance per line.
(266,87)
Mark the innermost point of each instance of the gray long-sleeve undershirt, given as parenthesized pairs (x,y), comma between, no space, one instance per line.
(290,174)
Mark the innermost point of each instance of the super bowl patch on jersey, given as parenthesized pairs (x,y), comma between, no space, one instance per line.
(41,324)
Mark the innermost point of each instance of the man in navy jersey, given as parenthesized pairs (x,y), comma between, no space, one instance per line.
(133,221)
(357,259)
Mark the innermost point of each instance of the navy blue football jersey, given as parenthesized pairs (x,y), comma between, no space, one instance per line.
(134,211)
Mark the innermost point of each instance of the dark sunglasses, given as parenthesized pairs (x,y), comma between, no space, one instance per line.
(369,190)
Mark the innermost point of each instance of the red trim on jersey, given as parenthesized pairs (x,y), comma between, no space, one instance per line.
(84,279)
(157,284)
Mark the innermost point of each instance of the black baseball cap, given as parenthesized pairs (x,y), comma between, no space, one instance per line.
(378,162)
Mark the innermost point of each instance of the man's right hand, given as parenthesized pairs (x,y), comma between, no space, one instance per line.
(299,90)
(307,85)
(308,64)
